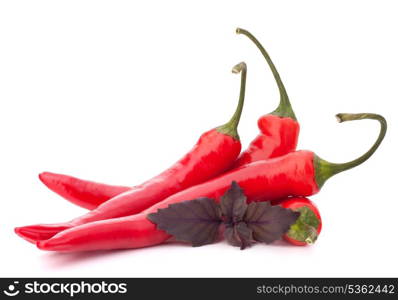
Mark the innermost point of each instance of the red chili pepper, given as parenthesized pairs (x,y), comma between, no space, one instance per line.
(84,193)
(213,154)
(279,135)
(279,129)
(300,173)
(308,226)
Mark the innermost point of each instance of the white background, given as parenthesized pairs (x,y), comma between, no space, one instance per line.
(116,91)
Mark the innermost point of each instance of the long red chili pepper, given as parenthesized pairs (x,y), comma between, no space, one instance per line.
(279,129)
(309,225)
(213,154)
(279,135)
(300,173)
(84,193)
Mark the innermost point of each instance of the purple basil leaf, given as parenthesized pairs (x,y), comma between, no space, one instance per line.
(239,235)
(233,204)
(269,223)
(195,221)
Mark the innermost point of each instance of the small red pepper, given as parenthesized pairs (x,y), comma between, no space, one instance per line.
(308,226)
(300,173)
(279,135)
(214,153)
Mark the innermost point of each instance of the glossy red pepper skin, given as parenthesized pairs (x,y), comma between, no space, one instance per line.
(290,175)
(84,193)
(213,154)
(121,233)
(295,203)
(278,136)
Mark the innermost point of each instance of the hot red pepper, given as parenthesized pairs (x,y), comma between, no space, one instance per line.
(279,129)
(213,154)
(84,193)
(279,135)
(300,173)
(308,226)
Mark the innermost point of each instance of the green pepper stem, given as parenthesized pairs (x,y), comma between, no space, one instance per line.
(284,108)
(305,228)
(324,169)
(231,128)
(312,235)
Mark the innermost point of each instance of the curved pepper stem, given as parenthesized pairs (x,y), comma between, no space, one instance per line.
(324,169)
(231,128)
(285,108)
